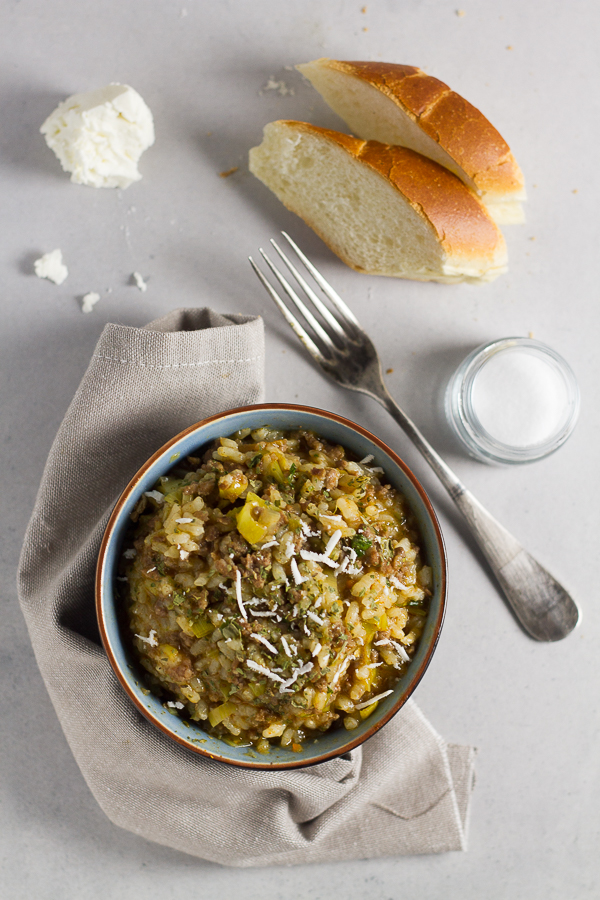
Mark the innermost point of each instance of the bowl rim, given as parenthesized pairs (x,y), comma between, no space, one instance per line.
(437,627)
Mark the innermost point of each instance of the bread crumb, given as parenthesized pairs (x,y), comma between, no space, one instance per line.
(365,29)
(460,13)
(388,371)
(575,191)
(532,238)
(363,9)
(509,47)
(530,335)
(228,172)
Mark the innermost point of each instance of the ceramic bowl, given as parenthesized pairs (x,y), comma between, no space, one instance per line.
(190,442)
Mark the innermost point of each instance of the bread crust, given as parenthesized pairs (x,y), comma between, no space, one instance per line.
(459,128)
(460,220)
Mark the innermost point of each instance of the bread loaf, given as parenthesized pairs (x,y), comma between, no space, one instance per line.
(398,104)
(383,210)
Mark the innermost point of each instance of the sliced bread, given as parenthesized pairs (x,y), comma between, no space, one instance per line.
(398,104)
(384,210)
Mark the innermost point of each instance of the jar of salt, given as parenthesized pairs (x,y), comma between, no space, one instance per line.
(512,401)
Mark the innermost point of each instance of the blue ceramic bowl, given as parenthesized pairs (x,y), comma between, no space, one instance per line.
(190,442)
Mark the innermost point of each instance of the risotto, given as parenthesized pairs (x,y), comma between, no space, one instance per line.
(274,588)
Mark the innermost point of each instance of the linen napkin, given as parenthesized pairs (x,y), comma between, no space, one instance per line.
(405,791)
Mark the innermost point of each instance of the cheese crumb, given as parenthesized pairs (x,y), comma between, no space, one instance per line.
(279,86)
(100,135)
(89,301)
(51,266)
(139,281)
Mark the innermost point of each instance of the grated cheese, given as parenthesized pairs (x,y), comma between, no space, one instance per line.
(365,462)
(270,544)
(263,640)
(175,705)
(397,583)
(129,554)
(263,670)
(314,617)
(373,700)
(317,650)
(155,495)
(318,557)
(184,521)
(302,670)
(298,578)
(286,647)
(400,650)
(151,639)
(238,594)
(332,542)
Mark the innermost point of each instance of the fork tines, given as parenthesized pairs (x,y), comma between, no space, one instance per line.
(338,327)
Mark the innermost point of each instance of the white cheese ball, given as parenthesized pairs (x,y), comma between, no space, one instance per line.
(51,266)
(99,136)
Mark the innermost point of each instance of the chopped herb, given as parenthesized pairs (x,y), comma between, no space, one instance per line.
(178,598)
(360,544)
(254,461)
(291,474)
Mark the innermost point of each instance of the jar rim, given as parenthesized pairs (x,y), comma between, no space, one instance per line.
(465,422)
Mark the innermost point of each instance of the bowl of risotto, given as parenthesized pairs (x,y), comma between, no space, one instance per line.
(271,586)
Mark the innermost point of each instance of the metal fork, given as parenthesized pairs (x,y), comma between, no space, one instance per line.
(347,354)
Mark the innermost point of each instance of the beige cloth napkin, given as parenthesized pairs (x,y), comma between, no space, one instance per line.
(405,791)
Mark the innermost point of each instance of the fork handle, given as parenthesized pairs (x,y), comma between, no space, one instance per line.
(542,605)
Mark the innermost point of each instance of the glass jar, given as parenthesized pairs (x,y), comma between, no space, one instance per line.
(512,401)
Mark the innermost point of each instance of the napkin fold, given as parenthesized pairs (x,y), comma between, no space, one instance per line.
(405,791)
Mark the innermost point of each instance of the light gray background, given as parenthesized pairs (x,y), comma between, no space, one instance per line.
(532,710)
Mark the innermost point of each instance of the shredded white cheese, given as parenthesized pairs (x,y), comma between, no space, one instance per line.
(298,578)
(302,670)
(151,639)
(343,565)
(317,650)
(184,521)
(306,531)
(376,470)
(270,544)
(400,651)
(314,617)
(263,670)
(155,495)
(365,462)
(373,700)
(263,640)
(129,554)
(397,583)
(175,705)
(286,647)
(153,569)
(318,557)
(238,594)
(183,554)
(332,542)
(338,519)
